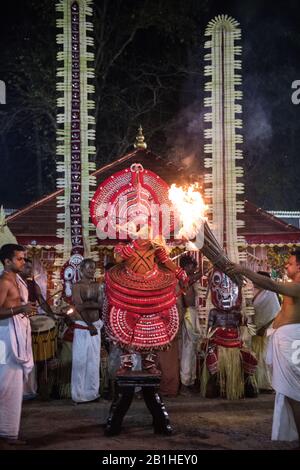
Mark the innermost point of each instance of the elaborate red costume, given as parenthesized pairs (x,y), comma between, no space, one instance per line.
(141,313)
(141,295)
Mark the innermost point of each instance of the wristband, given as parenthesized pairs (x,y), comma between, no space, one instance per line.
(182,275)
(162,255)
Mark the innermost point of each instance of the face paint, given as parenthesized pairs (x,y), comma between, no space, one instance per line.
(70,274)
(225,294)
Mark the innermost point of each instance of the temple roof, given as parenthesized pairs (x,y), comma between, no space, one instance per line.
(36,223)
(263,228)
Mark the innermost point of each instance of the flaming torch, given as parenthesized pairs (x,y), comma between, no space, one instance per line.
(190,208)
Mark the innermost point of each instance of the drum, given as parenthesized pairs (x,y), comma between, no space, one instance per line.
(44,337)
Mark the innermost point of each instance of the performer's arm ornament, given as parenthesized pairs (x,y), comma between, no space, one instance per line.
(161,255)
(181,275)
(124,251)
(163,258)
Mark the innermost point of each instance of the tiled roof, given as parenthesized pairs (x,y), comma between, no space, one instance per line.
(264,228)
(36,223)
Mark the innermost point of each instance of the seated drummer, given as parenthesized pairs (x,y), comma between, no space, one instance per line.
(34,290)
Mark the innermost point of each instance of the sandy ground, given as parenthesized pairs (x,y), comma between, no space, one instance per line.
(210,424)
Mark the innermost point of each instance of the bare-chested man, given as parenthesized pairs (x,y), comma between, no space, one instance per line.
(15,341)
(284,348)
(87,298)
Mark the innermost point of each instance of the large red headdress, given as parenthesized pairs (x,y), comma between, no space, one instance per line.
(129,200)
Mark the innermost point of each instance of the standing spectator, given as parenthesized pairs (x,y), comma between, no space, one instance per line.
(283,348)
(190,329)
(16,359)
(88,298)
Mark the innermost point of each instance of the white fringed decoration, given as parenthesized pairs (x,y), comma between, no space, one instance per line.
(223,188)
(65,121)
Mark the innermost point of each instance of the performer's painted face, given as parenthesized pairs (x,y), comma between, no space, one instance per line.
(225,294)
(70,274)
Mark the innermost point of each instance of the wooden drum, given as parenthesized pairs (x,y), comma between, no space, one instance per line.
(44,337)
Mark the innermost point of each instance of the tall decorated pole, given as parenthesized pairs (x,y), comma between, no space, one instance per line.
(223,192)
(223,186)
(75,137)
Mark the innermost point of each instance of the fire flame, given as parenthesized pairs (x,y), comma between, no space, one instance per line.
(190,207)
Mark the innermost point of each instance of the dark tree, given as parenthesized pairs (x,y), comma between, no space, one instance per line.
(149,71)
(143,61)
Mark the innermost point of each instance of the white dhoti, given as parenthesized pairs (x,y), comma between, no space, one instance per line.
(266,306)
(16,362)
(284,355)
(85,380)
(189,341)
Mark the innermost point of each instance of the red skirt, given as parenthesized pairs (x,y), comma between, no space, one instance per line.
(142,308)
(227,337)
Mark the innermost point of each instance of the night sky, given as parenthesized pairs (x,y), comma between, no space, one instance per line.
(271,51)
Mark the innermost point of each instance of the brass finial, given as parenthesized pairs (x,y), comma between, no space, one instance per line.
(139,140)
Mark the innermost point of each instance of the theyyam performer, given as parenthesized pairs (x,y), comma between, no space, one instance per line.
(141,313)
(229,367)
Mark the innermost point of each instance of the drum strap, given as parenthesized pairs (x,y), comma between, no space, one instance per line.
(69,334)
(76,326)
